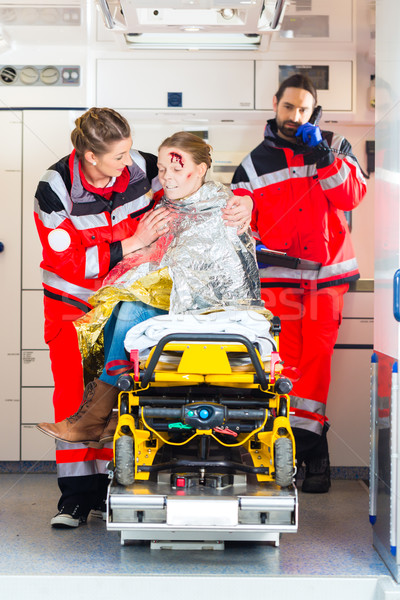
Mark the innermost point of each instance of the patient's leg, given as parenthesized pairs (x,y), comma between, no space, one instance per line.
(100,396)
(125,316)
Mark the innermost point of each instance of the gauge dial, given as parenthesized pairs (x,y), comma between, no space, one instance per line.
(49,75)
(8,75)
(29,75)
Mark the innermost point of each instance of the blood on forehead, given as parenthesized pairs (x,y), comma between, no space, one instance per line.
(175,157)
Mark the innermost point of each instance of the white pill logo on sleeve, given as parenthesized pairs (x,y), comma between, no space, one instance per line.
(59,240)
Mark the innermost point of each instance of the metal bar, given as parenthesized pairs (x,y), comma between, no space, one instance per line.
(139,502)
(265,504)
(280,5)
(396,295)
(373,444)
(193,464)
(159,412)
(394,456)
(209,337)
(106,13)
(177,413)
(157,528)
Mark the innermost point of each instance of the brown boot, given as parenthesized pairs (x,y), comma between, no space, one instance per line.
(88,423)
(109,430)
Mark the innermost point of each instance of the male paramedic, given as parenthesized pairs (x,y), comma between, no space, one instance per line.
(301,180)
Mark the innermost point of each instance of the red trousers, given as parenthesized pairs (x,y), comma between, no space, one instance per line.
(310,322)
(66,364)
(65,357)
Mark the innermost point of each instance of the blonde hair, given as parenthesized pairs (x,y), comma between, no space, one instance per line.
(96,129)
(198,149)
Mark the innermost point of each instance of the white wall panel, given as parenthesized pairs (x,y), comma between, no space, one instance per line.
(10,277)
(46,140)
(387,185)
(35,445)
(231,140)
(348,407)
(36,370)
(204,84)
(37,405)
(32,320)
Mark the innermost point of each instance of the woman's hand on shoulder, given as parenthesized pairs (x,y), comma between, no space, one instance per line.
(237,212)
(151,226)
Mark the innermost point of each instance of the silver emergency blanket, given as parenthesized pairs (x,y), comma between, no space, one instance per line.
(211,266)
(201,265)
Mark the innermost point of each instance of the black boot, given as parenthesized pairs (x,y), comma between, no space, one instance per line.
(318,473)
(312,449)
(318,476)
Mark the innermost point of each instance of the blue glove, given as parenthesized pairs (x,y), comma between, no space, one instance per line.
(260,264)
(310,134)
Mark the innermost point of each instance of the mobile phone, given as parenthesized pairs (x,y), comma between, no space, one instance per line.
(316,115)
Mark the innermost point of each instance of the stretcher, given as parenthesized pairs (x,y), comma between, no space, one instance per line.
(203,450)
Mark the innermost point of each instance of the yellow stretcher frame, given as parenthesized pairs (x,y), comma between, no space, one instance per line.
(205,363)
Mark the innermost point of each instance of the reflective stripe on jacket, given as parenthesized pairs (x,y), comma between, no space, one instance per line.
(298,207)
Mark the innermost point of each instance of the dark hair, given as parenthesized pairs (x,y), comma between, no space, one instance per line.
(96,129)
(199,150)
(298,80)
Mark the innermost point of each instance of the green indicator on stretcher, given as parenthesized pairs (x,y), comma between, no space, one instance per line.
(178,426)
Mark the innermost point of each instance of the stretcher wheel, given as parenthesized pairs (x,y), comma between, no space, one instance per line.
(124,470)
(283,462)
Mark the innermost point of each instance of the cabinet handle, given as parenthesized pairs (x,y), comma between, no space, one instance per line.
(396,295)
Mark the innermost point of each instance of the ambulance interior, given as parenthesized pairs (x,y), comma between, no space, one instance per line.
(212,67)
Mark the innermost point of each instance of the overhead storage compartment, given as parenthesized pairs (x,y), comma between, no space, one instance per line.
(317,21)
(219,84)
(333,80)
(174,84)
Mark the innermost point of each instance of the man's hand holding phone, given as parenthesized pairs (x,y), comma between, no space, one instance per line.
(310,134)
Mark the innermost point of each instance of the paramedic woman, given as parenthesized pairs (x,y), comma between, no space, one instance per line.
(92,208)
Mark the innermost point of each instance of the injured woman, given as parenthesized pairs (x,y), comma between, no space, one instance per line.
(201,275)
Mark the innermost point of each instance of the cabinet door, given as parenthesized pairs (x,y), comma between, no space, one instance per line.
(333,79)
(10,277)
(348,408)
(175,84)
(46,140)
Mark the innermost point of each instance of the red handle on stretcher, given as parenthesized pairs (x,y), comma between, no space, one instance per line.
(125,366)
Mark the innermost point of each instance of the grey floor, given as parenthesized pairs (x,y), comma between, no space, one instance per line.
(330,556)
(334,541)
(334,538)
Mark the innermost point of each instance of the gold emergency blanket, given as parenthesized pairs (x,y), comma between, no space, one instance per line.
(200,266)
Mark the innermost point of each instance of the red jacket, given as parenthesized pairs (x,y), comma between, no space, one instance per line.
(81,231)
(298,207)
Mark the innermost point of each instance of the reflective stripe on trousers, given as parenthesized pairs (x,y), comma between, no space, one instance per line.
(76,460)
(307,414)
